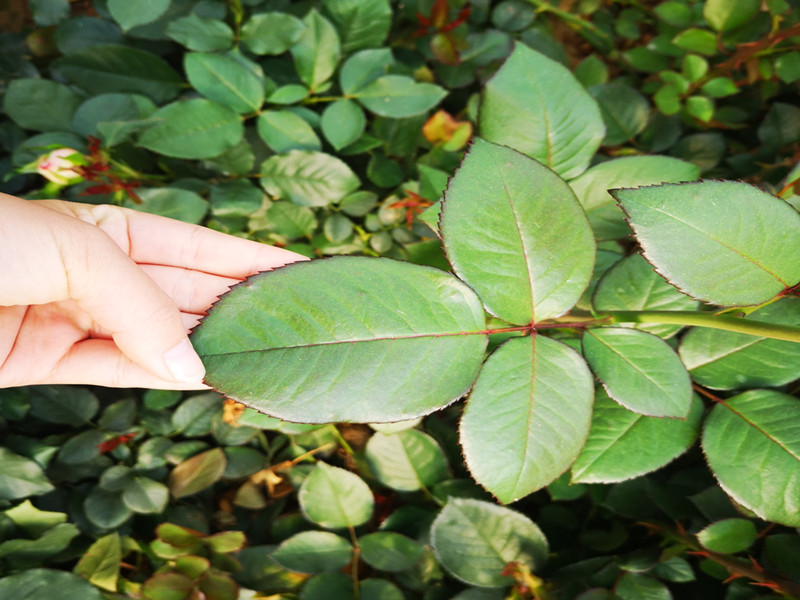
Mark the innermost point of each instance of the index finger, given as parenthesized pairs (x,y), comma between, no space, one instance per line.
(156,240)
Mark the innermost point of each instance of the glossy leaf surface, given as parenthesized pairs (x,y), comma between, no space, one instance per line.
(345,339)
(726,360)
(308,178)
(314,552)
(390,551)
(407,460)
(728,536)
(224,79)
(744,434)
(282,131)
(591,187)
(632,284)
(317,50)
(527,416)
(361,23)
(334,498)
(623,444)
(112,68)
(196,128)
(397,96)
(639,370)
(744,241)
(514,231)
(475,540)
(535,105)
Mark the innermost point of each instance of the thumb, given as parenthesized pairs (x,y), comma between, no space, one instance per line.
(142,319)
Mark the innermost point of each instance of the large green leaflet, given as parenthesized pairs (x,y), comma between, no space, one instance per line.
(527,417)
(744,241)
(639,370)
(726,360)
(632,284)
(345,339)
(112,68)
(195,128)
(317,51)
(307,178)
(335,498)
(535,105)
(226,79)
(604,215)
(514,231)
(475,540)
(752,444)
(623,444)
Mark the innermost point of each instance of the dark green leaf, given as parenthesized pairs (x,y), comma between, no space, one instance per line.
(756,428)
(724,15)
(224,79)
(536,106)
(106,509)
(539,258)
(748,239)
(290,220)
(271,32)
(639,370)
(623,444)
(475,540)
(334,498)
(343,122)
(317,51)
(40,104)
(406,460)
(634,586)
(51,542)
(195,416)
(781,125)
(527,417)
(363,68)
(34,584)
(283,131)
(49,12)
(727,360)
(388,551)
(604,215)
(130,14)
(397,96)
(361,23)
(631,284)
(195,128)
(728,536)
(201,34)
(341,329)
(328,586)
(700,41)
(379,589)
(174,203)
(145,495)
(314,552)
(21,477)
(625,112)
(308,178)
(105,69)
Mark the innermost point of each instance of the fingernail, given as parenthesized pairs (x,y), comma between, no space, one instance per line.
(183,363)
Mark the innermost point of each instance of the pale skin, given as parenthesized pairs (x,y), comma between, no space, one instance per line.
(103,295)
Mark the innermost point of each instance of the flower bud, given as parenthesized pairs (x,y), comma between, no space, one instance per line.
(57,167)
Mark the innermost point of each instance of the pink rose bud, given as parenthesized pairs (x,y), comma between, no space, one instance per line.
(57,167)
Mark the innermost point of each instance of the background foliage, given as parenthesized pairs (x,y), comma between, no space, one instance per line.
(328,128)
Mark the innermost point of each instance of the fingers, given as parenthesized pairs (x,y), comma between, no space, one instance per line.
(155,240)
(100,362)
(141,318)
(193,291)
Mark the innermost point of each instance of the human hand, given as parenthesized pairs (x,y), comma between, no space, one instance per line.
(104,295)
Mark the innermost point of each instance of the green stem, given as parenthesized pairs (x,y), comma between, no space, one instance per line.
(543,6)
(773,331)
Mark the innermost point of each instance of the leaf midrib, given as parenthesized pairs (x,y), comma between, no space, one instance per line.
(353,341)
